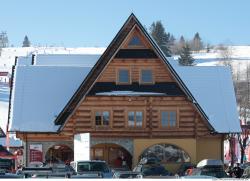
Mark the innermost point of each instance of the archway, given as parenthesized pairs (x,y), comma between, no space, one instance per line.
(59,154)
(115,155)
(165,153)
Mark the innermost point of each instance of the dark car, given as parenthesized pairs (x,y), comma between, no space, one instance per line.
(4,175)
(184,167)
(54,171)
(126,174)
(91,169)
(151,170)
(210,167)
(246,173)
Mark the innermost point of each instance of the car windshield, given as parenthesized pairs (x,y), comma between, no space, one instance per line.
(92,166)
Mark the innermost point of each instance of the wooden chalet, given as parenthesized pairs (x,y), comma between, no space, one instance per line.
(134,104)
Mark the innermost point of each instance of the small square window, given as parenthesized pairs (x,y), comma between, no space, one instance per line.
(102,118)
(98,118)
(123,76)
(135,41)
(135,118)
(146,76)
(168,119)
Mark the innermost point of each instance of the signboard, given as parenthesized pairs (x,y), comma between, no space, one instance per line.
(36,153)
(82,146)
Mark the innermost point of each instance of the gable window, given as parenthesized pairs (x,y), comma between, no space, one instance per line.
(135,118)
(135,41)
(123,76)
(168,119)
(102,118)
(146,76)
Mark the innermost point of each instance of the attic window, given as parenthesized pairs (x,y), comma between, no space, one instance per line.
(135,41)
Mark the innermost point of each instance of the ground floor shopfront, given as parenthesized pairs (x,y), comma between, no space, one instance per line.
(117,152)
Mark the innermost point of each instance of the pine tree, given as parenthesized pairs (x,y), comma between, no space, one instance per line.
(197,45)
(4,41)
(186,58)
(182,41)
(26,42)
(162,38)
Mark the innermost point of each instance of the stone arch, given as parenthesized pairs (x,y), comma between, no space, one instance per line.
(127,144)
(59,153)
(166,152)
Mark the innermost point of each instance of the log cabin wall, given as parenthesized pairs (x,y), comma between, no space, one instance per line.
(189,123)
(160,73)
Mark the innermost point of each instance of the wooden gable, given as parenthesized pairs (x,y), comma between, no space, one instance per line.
(105,70)
(136,64)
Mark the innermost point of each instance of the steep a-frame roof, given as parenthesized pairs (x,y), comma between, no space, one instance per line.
(104,60)
(186,78)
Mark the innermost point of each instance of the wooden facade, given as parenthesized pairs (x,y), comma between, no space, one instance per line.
(80,114)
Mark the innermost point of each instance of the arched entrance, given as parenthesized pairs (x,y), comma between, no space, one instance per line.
(59,154)
(166,153)
(115,155)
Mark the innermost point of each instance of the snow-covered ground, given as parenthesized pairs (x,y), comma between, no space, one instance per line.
(7,58)
(240,55)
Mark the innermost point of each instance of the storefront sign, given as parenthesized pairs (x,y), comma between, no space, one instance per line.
(36,153)
(82,146)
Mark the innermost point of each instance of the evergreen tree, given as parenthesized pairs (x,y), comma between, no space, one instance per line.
(197,45)
(26,42)
(182,42)
(162,38)
(186,58)
(208,48)
(4,41)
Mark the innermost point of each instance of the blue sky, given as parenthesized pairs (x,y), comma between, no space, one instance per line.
(78,23)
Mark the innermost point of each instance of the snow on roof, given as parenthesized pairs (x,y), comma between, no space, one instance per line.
(24,60)
(86,60)
(129,93)
(212,87)
(40,93)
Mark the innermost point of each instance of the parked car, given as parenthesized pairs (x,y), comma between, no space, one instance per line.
(91,169)
(151,170)
(245,165)
(210,167)
(199,177)
(119,169)
(9,176)
(126,174)
(54,171)
(184,167)
(246,173)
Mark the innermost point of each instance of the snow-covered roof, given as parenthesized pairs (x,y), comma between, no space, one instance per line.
(86,60)
(212,87)
(40,93)
(24,60)
(129,93)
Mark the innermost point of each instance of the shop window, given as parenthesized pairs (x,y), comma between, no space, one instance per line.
(135,118)
(123,76)
(102,118)
(146,76)
(165,153)
(168,119)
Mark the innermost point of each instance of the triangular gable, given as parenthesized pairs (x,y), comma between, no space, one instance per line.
(105,59)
